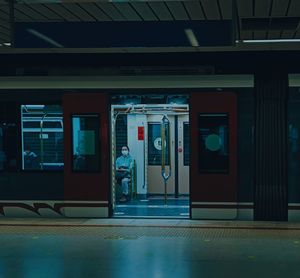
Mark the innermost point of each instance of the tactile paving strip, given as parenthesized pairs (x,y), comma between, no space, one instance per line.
(137,232)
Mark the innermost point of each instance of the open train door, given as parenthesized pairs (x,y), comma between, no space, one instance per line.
(86,155)
(213,121)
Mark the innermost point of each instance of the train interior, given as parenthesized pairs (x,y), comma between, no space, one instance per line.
(42,137)
(156,130)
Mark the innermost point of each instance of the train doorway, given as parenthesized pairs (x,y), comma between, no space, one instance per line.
(153,180)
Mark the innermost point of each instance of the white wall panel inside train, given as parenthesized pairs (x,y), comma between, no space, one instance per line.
(138,150)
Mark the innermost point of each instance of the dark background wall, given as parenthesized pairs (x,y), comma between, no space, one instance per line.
(294,145)
(245,140)
(218,62)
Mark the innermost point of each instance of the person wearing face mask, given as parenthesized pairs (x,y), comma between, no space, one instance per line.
(124,165)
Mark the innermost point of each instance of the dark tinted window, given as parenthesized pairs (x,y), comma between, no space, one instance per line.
(121,133)
(213,143)
(86,143)
(8,136)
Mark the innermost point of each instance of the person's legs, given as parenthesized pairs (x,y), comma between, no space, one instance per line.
(125,186)
(125,183)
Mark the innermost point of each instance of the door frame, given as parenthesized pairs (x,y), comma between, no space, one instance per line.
(111,196)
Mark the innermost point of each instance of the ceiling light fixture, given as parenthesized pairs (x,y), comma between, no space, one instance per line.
(43,37)
(5,44)
(191,37)
(268,41)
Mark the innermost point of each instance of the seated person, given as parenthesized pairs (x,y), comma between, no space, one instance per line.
(124,165)
(30,159)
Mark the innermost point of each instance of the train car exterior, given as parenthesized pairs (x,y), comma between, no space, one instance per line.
(240,144)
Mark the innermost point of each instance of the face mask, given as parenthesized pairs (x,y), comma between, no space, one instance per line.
(125,152)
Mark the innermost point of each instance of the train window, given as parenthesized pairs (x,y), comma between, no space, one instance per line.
(154,144)
(42,137)
(86,147)
(213,143)
(121,132)
(186,144)
(8,136)
(46,124)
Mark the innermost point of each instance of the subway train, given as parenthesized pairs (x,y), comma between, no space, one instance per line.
(202,147)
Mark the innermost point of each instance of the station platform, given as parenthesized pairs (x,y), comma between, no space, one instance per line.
(148,248)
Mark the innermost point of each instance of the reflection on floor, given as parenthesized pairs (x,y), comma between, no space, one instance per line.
(118,249)
(154,206)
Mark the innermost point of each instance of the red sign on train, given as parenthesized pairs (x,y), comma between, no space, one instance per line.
(141,134)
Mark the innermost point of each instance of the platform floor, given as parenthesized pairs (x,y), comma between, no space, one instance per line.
(147,248)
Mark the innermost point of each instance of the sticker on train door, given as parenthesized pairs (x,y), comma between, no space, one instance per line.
(141,133)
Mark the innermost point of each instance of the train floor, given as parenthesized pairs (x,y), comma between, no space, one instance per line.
(147,248)
(154,206)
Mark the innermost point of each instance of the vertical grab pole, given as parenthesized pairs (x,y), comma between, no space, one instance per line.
(113,156)
(163,157)
(170,150)
(42,142)
(165,123)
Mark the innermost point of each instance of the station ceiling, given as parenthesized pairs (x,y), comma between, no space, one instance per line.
(254,19)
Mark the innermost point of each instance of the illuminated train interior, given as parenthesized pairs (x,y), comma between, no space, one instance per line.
(159,175)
